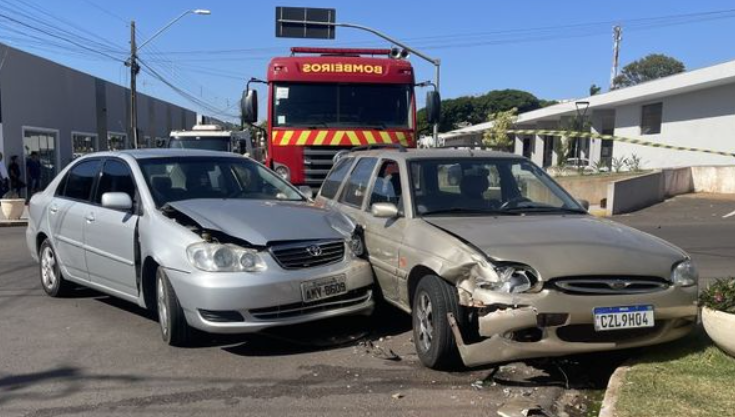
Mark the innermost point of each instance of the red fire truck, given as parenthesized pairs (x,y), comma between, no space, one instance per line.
(324,100)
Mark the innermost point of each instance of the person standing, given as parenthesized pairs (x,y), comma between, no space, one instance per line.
(3,177)
(16,183)
(33,171)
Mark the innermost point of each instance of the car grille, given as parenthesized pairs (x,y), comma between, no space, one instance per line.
(585,333)
(605,285)
(308,254)
(318,160)
(350,298)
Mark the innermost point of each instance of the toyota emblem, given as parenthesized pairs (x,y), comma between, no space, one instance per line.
(314,250)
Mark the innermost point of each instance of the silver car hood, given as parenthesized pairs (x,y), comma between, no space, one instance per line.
(260,221)
(559,246)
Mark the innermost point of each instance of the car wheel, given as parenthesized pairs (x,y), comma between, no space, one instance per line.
(175,331)
(432,335)
(52,280)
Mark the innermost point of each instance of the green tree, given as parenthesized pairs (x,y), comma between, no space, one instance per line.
(497,136)
(474,109)
(595,89)
(651,67)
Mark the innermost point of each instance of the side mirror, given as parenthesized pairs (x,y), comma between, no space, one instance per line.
(433,107)
(249,106)
(117,201)
(306,191)
(584,203)
(384,210)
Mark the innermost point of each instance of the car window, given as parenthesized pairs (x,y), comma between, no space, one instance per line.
(387,188)
(485,185)
(80,179)
(354,191)
(188,178)
(116,178)
(335,177)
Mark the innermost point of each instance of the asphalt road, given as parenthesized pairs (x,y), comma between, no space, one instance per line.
(93,355)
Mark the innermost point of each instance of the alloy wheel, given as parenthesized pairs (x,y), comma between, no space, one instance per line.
(48,268)
(425,321)
(162,307)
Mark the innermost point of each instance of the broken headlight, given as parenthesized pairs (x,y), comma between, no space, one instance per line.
(356,245)
(511,278)
(216,257)
(685,274)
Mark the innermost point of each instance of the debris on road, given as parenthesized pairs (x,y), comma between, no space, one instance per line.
(379,352)
(522,409)
(397,396)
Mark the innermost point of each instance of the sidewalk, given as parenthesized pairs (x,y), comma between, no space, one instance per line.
(10,223)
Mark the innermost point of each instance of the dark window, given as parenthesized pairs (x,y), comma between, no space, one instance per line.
(354,192)
(80,179)
(116,178)
(387,188)
(335,177)
(651,118)
(334,105)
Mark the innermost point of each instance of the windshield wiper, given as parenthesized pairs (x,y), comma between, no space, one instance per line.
(465,210)
(543,209)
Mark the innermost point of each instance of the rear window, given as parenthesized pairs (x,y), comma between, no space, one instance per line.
(335,177)
(356,187)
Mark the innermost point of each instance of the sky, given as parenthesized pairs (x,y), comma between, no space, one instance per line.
(553,49)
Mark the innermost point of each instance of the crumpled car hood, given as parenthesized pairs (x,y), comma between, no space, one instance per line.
(563,246)
(260,221)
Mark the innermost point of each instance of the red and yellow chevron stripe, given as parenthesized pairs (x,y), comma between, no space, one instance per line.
(312,137)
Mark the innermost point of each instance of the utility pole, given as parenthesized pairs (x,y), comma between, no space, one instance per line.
(617,37)
(134,69)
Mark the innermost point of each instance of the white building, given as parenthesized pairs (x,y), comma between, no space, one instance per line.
(695,109)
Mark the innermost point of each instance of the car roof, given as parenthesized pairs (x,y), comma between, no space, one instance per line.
(164,153)
(433,153)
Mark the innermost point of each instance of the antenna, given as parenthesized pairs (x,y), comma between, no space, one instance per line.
(617,37)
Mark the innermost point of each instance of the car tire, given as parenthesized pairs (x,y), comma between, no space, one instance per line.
(52,280)
(432,335)
(175,331)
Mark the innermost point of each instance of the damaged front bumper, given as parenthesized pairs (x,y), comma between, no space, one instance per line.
(552,323)
(242,302)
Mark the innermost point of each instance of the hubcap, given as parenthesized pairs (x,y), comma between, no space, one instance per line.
(425,322)
(48,268)
(162,309)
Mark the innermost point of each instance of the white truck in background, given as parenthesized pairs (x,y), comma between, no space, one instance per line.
(214,138)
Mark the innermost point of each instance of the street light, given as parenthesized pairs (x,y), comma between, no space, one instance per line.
(135,68)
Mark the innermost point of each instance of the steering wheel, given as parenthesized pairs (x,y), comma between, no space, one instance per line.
(514,202)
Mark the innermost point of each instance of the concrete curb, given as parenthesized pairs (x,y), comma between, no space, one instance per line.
(613,390)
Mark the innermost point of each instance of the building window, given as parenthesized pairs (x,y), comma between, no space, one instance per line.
(651,118)
(116,141)
(82,144)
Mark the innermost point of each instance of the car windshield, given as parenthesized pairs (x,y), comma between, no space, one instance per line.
(498,186)
(187,178)
(221,143)
(334,105)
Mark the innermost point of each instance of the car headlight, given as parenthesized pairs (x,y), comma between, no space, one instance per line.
(685,274)
(284,172)
(215,257)
(356,245)
(510,279)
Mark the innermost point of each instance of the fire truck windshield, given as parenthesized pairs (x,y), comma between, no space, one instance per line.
(336,105)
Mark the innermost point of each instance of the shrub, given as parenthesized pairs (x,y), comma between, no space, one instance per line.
(719,296)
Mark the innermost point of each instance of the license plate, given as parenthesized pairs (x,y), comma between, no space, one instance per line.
(323,288)
(615,318)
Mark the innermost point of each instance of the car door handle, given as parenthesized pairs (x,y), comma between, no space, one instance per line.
(89,217)
(53,209)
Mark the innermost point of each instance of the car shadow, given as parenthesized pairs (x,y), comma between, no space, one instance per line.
(324,335)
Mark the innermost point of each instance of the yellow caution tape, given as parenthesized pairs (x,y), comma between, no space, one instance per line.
(589,135)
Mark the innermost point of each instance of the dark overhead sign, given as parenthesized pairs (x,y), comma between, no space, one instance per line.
(305,22)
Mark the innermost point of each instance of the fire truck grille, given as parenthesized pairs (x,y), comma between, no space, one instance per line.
(318,162)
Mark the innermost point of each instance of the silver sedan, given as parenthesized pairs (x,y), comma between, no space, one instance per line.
(207,240)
